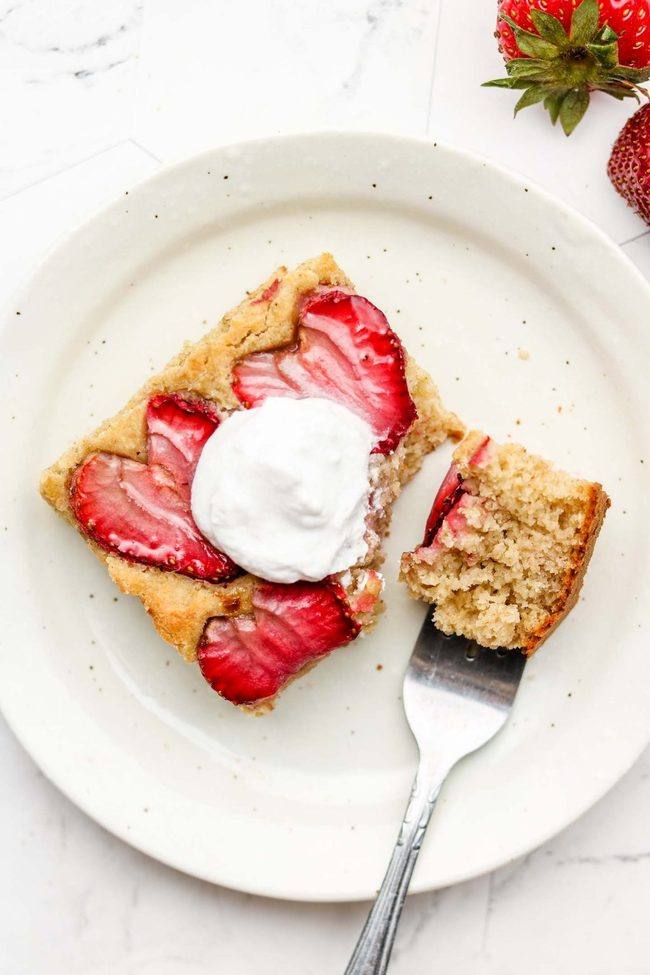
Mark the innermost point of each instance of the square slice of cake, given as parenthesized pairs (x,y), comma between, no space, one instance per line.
(131,486)
(506,545)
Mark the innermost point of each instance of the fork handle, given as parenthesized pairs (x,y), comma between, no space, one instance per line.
(372,953)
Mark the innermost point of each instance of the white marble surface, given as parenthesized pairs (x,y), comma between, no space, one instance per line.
(96,96)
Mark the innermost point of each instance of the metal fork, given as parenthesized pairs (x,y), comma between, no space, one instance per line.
(457,695)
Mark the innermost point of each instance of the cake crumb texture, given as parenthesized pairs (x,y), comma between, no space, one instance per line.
(507,562)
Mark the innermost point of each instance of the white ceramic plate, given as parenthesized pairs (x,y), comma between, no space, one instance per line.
(471,265)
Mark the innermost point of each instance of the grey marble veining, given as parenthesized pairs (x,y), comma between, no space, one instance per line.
(67,83)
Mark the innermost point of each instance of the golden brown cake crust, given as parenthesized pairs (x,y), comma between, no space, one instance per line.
(180,606)
(599,502)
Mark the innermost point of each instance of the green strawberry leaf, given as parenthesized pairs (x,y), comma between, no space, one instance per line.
(552,105)
(584,22)
(531,44)
(512,83)
(573,107)
(618,91)
(635,75)
(539,77)
(605,54)
(536,47)
(605,35)
(533,95)
(550,28)
(524,65)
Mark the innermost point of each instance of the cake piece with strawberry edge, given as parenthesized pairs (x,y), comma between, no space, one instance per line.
(131,486)
(506,545)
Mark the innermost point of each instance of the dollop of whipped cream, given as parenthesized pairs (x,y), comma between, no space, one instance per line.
(283,488)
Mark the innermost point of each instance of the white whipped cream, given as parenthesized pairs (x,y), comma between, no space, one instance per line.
(283,488)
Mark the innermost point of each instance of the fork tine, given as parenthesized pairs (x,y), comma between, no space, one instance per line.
(461,666)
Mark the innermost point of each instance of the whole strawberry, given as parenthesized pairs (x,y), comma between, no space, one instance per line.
(629,163)
(559,51)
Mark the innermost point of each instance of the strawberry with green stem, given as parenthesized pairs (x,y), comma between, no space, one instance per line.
(559,54)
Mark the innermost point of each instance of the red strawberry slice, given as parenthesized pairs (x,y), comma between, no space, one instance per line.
(139,512)
(142,511)
(346,351)
(177,429)
(482,453)
(250,657)
(450,493)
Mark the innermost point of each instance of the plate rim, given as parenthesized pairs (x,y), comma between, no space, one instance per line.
(44,758)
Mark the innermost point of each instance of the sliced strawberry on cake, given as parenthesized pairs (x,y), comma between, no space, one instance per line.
(243,493)
(506,545)
(248,658)
(345,350)
(178,428)
(142,511)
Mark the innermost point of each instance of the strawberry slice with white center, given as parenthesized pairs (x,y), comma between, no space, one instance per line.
(346,351)
(177,428)
(142,511)
(450,493)
(250,657)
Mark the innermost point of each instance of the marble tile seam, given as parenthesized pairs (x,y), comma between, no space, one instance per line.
(66,168)
(143,148)
(434,59)
(631,240)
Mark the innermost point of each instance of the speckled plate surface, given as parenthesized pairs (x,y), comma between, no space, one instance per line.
(534,326)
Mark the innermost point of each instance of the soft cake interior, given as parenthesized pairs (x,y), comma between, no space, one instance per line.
(507,561)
